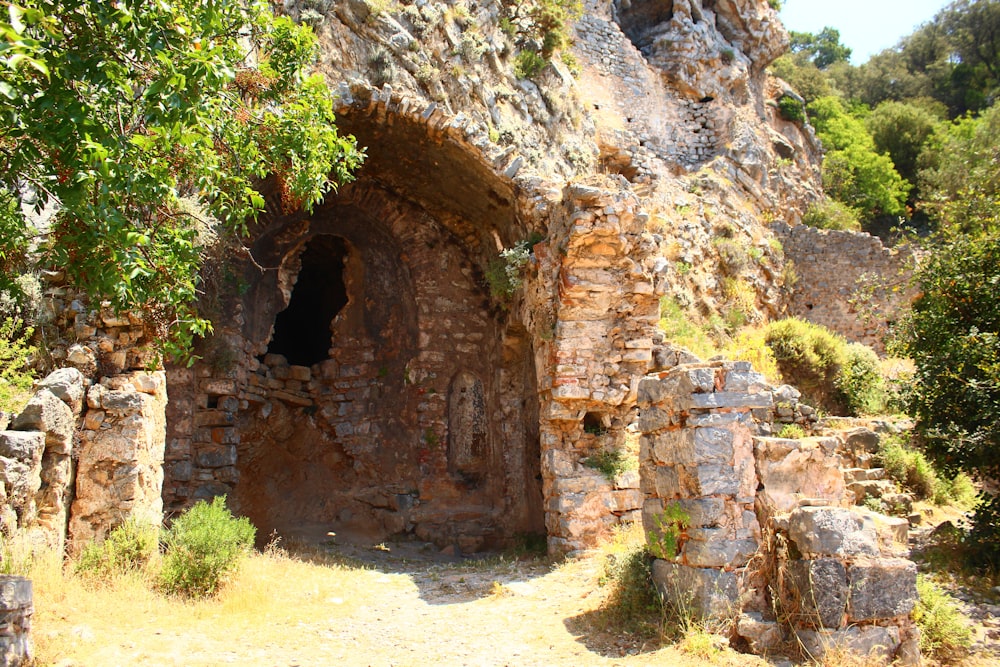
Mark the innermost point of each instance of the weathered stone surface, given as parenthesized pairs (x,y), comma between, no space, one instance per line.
(708,592)
(764,636)
(22,445)
(882,589)
(47,413)
(868,640)
(67,385)
(820,589)
(120,467)
(718,552)
(16,611)
(831,531)
(791,470)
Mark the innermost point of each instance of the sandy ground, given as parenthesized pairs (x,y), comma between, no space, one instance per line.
(394,605)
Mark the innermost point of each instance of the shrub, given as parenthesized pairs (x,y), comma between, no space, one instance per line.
(202,546)
(611,463)
(791,109)
(830,214)
(528,64)
(909,468)
(944,632)
(734,257)
(810,357)
(16,373)
(665,540)
(633,605)
(127,548)
(503,274)
(860,380)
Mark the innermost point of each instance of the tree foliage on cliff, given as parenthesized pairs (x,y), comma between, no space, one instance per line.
(140,121)
(854,172)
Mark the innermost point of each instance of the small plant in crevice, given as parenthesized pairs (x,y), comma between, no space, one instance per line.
(791,109)
(790,431)
(610,462)
(504,275)
(528,63)
(666,539)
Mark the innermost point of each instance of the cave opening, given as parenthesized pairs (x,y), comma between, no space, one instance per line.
(302,330)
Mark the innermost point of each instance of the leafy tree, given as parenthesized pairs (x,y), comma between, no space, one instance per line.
(960,182)
(854,172)
(822,49)
(953,337)
(120,112)
(901,129)
(800,72)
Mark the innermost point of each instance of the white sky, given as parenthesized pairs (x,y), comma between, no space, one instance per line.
(866,26)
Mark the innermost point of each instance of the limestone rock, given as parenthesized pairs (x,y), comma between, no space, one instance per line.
(67,384)
(831,531)
(882,589)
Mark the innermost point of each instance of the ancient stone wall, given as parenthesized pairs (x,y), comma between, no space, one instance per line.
(16,609)
(120,456)
(764,533)
(847,281)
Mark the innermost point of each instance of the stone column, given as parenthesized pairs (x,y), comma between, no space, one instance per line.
(697,454)
(120,467)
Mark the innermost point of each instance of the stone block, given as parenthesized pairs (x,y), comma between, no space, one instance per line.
(650,392)
(791,470)
(703,512)
(67,385)
(719,551)
(875,641)
(832,531)
(764,636)
(819,589)
(22,445)
(720,399)
(713,445)
(706,592)
(881,589)
(716,480)
(653,419)
(217,456)
(47,413)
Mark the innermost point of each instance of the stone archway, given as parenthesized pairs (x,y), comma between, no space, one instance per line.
(354,321)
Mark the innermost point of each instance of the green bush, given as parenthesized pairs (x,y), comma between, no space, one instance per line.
(633,605)
(16,373)
(945,633)
(860,380)
(810,357)
(831,214)
(909,468)
(202,546)
(791,109)
(528,64)
(127,548)
(841,378)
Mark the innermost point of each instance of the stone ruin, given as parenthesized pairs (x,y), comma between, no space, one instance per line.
(365,379)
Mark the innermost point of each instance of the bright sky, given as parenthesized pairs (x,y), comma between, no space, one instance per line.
(866,26)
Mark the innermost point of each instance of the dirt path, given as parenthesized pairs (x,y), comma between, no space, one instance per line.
(357,606)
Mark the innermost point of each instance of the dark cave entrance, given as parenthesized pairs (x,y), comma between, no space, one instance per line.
(302,330)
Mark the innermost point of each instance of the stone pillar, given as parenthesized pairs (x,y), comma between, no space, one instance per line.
(54,410)
(16,609)
(697,453)
(120,468)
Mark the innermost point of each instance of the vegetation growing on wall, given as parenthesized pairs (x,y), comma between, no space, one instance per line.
(114,112)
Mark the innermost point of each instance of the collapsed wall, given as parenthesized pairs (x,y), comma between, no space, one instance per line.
(763,533)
